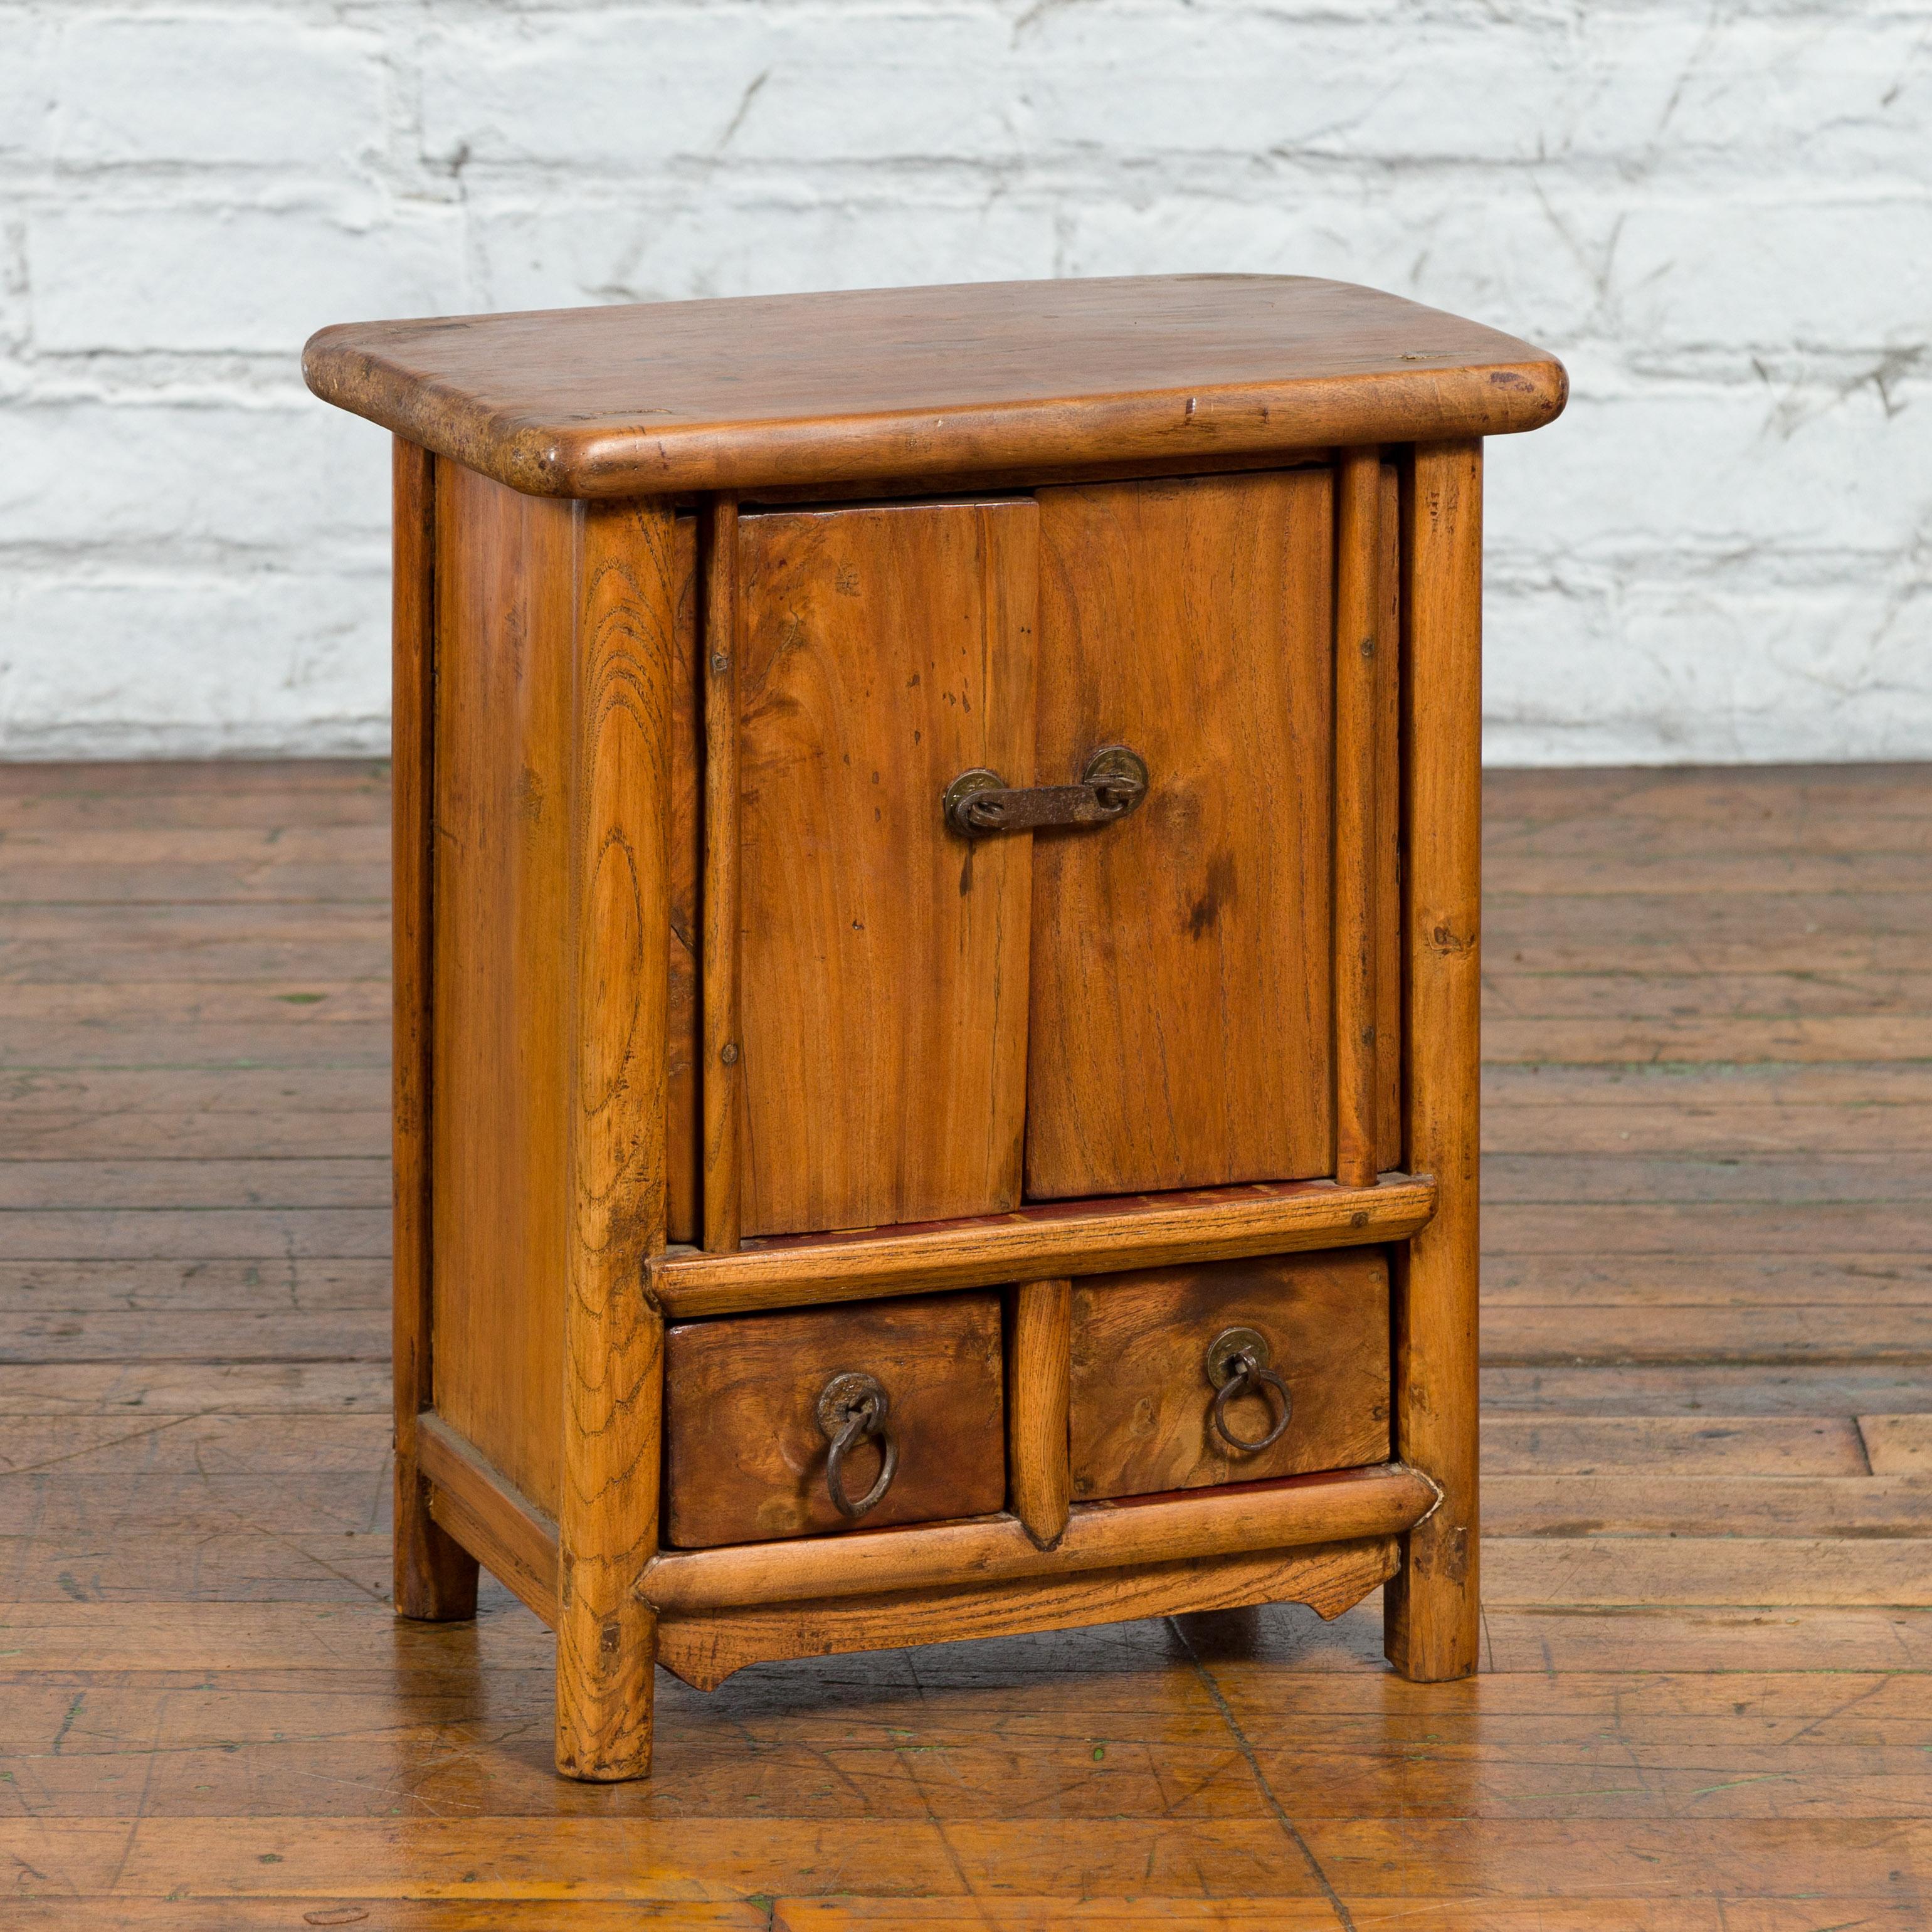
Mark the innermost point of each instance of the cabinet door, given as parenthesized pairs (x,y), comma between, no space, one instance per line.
(1180,973)
(884,1002)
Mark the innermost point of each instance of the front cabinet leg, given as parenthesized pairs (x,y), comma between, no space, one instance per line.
(606,1654)
(1433,1605)
(617,1000)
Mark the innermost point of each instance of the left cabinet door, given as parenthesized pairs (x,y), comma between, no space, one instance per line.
(883,962)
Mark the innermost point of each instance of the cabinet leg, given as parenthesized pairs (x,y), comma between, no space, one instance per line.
(1433,1605)
(1432,1617)
(435,1577)
(616,1022)
(603,1689)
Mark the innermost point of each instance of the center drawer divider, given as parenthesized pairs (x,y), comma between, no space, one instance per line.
(1050,1241)
(1337,1506)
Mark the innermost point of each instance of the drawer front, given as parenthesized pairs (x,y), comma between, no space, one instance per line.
(1142,1401)
(745,1455)
(1179,1027)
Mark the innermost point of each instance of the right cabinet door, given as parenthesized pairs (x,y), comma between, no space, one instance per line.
(1179,1032)
(1143,1382)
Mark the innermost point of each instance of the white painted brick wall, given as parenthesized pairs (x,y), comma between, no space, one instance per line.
(1720,214)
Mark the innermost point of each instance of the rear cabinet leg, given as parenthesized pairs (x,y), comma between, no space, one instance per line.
(436,1577)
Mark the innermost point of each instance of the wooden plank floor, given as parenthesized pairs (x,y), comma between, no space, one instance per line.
(1708,1452)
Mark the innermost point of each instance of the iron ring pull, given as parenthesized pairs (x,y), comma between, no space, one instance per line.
(851,1407)
(1237,1364)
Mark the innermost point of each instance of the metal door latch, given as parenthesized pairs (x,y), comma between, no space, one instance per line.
(979,802)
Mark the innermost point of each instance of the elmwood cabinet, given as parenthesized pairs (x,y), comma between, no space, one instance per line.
(936,964)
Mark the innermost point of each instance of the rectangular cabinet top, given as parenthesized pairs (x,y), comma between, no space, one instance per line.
(767,392)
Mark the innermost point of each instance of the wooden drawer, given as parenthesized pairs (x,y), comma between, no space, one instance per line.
(745,1454)
(1140,1396)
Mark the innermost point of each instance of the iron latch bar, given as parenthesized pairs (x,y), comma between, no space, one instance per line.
(979,802)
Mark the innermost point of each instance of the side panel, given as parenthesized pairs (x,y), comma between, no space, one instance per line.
(505,566)
(1180,972)
(506,621)
(884,991)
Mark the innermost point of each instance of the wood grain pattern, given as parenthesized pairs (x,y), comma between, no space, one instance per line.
(1179,1034)
(752,392)
(1358,558)
(724,1072)
(1039,1335)
(883,973)
(745,1456)
(616,1011)
(1140,1397)
(705,1649)
(1337,1506)
(1433,1605)
(498,1122)
(1065,1238)
(435,1576)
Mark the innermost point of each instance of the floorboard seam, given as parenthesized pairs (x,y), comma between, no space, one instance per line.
(1343,1916)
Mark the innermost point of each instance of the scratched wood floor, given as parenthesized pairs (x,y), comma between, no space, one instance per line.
(1708,1452)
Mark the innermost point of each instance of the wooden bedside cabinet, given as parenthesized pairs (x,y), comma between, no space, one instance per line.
(936,901)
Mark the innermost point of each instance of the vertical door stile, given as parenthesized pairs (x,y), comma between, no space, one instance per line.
(722,1079)
(685,1043)
(1357,573)
(1389,1030)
